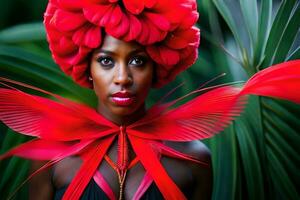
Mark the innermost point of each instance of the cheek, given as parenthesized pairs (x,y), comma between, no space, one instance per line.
(101,80)
(145,80)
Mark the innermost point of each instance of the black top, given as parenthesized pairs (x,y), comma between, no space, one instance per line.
(94,192)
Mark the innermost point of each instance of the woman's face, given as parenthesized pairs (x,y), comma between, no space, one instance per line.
(122,75)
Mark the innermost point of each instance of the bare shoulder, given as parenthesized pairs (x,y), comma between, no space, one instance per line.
(196,149)
(40,185)
(202,174)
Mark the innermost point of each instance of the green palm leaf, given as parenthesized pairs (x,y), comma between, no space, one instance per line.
(264,151)
(22,59)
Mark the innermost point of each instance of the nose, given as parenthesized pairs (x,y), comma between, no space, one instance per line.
(122,75)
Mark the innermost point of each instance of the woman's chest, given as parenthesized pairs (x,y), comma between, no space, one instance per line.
(178,170)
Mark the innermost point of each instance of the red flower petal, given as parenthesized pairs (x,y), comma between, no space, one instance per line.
(89,36)
(134,6)
(161,71)
(95,13)
(105,20)
(119,30)
(67,21)
(174,12)
(72,5)
(72,37)
(51,8)
(188,58)
(52,34)
(170,57)
(189,20)
(80,74)
(182,38)
(93,37)
(159,20)
(74,58)
(163,55)
(134,28)
(144,35)
(66,68)
(184,64)
(116,16)
(150,3)
(150,33)
(64,46)
(101,1)
(155,35)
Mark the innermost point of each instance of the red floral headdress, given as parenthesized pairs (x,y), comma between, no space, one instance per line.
(74,28)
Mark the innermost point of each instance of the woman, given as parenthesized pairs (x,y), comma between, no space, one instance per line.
(121,49)
(121,72)
(122,75)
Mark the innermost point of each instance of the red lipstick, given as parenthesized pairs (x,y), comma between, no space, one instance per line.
(123,98)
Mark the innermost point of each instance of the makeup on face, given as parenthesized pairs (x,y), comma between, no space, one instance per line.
(123,98)
(122,76)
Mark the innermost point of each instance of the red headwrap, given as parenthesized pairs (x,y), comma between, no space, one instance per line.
(165,28)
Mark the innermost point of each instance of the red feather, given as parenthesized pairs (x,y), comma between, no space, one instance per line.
(168,151)
(92,158)
(152,165)
(280,81)
(47,119)
(38,150)
(200,118)
(67,128)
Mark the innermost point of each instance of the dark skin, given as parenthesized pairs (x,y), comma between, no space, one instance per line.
(119,66)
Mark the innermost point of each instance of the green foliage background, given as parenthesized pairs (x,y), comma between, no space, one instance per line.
(257,157)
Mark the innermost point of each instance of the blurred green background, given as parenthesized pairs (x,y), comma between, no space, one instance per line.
(257,157)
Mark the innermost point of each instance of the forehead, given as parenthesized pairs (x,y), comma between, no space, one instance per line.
(118,46)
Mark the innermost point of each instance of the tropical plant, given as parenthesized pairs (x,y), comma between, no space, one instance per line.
(24,57)
(256,157)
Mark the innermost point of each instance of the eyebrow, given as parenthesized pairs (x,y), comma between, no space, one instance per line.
(113,53)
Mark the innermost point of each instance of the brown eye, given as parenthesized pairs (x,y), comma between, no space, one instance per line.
(106,61)
(137,61)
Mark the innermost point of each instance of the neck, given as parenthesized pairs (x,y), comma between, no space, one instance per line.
(122,119)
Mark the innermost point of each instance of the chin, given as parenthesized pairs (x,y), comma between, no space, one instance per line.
(123,110)
(118,113)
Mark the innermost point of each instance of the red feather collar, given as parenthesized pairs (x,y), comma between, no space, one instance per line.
(64,128)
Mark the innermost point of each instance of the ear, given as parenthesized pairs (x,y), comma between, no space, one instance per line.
(89,77)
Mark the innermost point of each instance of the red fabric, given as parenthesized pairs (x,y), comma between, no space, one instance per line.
(143,187)
(123,153)
(102,183)
(151,163)
(87,170)
(74,30)
(64,128)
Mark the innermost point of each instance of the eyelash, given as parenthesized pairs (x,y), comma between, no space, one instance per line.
(111,63)
(142,59)
(101,59)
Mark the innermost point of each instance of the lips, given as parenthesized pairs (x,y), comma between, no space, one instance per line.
(122,98)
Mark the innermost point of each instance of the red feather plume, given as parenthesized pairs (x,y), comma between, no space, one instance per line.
(65,128)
